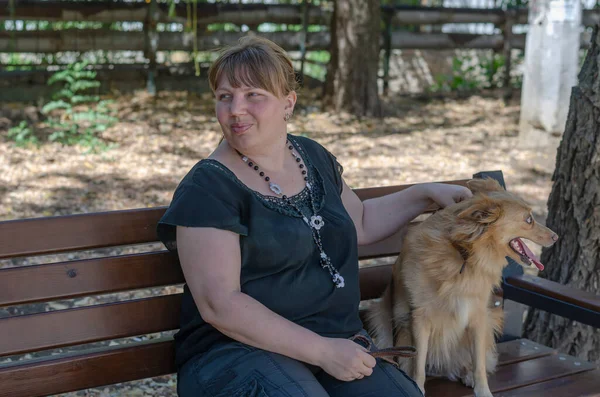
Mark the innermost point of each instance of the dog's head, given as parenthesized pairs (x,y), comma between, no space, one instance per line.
(500,219)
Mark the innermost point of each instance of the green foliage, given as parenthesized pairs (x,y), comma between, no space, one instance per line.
(75,116)
(461,79)
(511,3)
(17,61)
(318,56)
(225,27)
(470,72)
(315,70)
(491,67)
(23,135)
(282,27)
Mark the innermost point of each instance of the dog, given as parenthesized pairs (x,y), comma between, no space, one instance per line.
(440,295)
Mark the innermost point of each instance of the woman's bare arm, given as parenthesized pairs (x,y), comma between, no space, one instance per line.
(378,218)
(211,262)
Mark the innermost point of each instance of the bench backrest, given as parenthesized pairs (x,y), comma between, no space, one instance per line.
(86,331)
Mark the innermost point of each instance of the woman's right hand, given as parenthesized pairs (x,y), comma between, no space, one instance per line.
(346,360)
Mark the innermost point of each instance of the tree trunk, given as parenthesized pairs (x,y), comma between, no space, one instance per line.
(574,213)
(352,74)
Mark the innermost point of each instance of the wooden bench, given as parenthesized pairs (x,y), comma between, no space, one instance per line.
(526,368)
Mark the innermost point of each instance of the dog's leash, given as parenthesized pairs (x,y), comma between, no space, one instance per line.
(398,351)
(386,354)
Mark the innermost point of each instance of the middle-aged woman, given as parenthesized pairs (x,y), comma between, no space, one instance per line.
(267,233)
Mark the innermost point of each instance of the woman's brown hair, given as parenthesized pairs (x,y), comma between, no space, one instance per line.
(255,62)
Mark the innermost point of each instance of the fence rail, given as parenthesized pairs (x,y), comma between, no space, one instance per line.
(253,14)
(91,40)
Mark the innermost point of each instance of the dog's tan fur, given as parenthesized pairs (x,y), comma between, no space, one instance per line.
(447,315)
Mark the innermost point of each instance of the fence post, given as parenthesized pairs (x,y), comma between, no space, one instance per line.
(387,48)
(510,16)
(303,41)
(151,44)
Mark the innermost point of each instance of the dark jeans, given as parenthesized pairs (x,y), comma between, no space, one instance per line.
(234,369)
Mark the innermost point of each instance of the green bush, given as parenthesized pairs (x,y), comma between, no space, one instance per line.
(75,116)
(470,72)
(23,135)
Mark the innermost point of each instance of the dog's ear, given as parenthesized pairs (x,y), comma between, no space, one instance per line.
(483,211)
(484,185)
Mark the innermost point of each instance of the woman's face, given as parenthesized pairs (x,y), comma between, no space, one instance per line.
(249,116)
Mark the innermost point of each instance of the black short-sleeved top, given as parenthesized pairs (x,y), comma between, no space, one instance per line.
(280,260)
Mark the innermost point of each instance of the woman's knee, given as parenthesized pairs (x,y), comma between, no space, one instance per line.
(400,379)
(386,380)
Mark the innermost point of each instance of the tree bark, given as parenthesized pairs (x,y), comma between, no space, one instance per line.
(574,213)
(354,65)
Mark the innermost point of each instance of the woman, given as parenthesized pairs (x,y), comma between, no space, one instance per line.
(267,233)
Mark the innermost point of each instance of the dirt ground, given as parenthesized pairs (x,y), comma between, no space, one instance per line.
(159,140)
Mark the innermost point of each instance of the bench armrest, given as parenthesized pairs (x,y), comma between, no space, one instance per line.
(550,296)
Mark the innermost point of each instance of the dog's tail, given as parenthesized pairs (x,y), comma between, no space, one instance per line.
(380,321)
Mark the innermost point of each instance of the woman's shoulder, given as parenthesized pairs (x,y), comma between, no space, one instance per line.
(209,177)
(313,148)
(205,197)
(206,172)
(323,160)
(308,143)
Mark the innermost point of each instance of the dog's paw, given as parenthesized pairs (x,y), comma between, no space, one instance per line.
(468,379)
(452,377)
(421,384)
(483,392)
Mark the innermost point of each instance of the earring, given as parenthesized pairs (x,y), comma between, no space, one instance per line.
(287,116)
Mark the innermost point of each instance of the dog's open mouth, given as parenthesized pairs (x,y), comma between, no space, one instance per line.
(525,253)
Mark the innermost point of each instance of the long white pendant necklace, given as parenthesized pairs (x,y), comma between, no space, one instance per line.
(315,222)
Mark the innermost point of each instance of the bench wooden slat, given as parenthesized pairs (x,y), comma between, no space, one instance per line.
(515,351)
(374,280)
(519,350)
(48,235)
(38,236)
(557,291)
(537,370)
(75,372)
(384,248)
(35,332)
(513,376)
(105,275)
(88,277)
(581,384)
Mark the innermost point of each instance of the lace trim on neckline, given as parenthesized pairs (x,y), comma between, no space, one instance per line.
(301,199)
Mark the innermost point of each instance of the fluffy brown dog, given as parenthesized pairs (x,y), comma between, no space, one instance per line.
(440,294)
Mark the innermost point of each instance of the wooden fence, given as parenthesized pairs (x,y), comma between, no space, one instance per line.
(148,39)
(251,15)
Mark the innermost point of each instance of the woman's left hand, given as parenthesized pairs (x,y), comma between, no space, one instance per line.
(445,194)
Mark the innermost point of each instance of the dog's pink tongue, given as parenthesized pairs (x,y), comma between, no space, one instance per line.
(531,255)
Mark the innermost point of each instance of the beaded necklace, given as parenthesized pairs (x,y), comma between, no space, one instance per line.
(315,222)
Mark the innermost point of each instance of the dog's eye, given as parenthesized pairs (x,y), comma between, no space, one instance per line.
(529,220)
